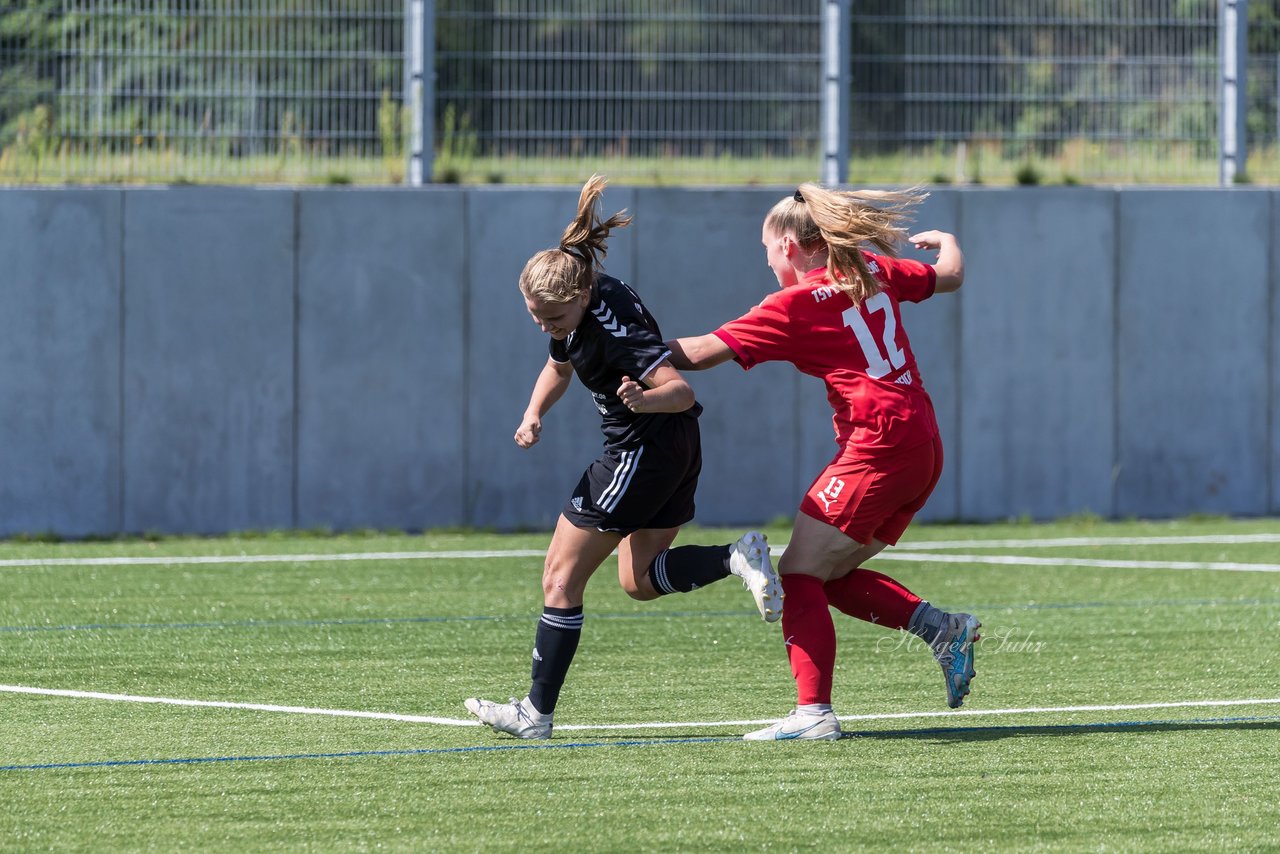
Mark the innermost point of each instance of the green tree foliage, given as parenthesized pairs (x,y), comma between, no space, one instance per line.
(663,78)
(207,73)
(1034,76)
(28,33)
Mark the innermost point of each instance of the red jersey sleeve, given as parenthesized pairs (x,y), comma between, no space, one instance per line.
(760,335)
(909,281)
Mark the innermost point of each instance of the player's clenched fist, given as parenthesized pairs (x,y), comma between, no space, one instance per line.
(631,393)
(528,431)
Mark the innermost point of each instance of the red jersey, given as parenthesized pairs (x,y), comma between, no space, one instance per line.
(862,353)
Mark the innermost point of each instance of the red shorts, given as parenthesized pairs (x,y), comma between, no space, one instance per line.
(875,497)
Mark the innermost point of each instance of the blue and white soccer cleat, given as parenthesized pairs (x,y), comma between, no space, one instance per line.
(800,726)
(517,718)
(953,650)
(749,560)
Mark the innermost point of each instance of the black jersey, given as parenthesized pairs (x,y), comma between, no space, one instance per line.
(617,338)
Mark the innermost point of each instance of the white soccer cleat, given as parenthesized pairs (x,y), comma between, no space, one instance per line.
(800,726)
(749,560)
(517,718)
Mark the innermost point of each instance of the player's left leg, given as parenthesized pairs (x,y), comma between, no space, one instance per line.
(575,553)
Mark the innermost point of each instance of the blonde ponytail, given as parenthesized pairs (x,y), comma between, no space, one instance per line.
(563,273)
(845,221)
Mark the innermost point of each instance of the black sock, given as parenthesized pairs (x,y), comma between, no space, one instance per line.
(688,568)
(553,649)
(926,622)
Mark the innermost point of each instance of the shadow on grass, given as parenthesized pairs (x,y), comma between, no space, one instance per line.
(978,733)
(993,733)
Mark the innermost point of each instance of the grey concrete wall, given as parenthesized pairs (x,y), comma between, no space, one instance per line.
(1037,374)
(1192,334)
(1273,391)
(210,359)
(208,351)
(380,400)
(60,361)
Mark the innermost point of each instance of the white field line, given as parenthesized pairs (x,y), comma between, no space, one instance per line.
(906,551)
(1024,560)
(1057,542)
(183,560)
(343,713)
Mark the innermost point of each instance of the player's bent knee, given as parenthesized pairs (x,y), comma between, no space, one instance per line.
(638,592)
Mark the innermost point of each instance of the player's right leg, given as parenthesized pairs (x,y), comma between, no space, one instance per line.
(801,724)
(749,560)
(575,553)
(648,567)
(816,550)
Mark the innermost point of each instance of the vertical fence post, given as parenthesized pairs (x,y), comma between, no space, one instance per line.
(837,41)
(419,88)
(1233,53)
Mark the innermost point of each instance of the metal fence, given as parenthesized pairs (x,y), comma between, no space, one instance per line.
(201,90)
(946,89)
(713,90)
(686,91)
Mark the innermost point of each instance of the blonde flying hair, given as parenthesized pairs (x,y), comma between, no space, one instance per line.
(563,273)
(844,221)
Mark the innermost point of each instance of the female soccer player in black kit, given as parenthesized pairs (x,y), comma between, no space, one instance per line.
(638,494)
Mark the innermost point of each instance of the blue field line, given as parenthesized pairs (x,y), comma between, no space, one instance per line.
(1138,603)
(361,754)
(658,742)
(361,621)
(646,615)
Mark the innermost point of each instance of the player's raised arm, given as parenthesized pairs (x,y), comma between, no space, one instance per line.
(550,386)
(950,263)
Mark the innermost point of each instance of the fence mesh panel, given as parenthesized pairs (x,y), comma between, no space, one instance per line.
(652,91)
(721,89)
(1092,89)
(202,89)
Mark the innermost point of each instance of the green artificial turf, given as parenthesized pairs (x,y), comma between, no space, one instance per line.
(677,677)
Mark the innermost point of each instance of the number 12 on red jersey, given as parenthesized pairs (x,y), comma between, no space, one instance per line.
(879,361)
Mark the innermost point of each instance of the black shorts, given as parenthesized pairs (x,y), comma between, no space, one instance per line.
(650,486)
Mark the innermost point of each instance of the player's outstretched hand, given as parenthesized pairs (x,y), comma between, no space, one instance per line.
(528,431)
(631,393)
(928,239)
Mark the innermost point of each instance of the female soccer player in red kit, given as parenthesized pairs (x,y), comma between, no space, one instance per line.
(836,317)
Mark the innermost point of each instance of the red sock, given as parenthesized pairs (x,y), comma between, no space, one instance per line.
(810,637)
(873,597)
